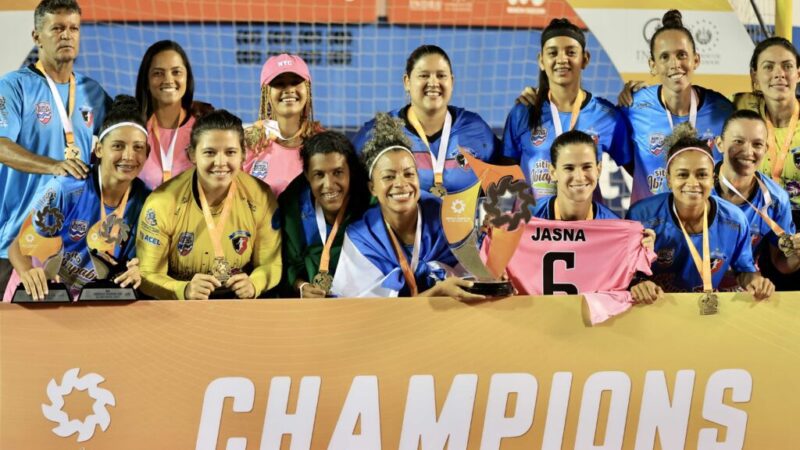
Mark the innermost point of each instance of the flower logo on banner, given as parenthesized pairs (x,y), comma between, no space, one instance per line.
(70,381)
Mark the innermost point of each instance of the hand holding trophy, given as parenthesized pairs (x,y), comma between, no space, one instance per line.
(507,211)
(103,239)
(48,251)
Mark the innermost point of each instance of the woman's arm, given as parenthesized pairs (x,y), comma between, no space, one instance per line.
(152,249)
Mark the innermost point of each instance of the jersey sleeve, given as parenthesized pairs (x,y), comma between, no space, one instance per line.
(783,217)
(152,248)
(511,146)
(267,251)
(10,108)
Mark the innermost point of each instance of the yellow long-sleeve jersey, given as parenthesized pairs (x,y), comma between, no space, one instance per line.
(173,242)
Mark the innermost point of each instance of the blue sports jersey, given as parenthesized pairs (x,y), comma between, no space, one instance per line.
(468,131)
(29,117)
(647,118)
(531,148)
(674,270)
(545,209)
(79,202)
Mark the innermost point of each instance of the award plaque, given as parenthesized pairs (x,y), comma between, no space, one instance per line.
(45,249)
(507,212)
(56,292)
(103,287)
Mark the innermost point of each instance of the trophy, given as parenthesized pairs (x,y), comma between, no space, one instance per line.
(507,209)
(46,250)
(102,239)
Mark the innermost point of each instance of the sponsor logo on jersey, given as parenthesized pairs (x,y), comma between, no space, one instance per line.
(538,136)
(150,218)
(656,144)
(260,169)
(88,115)
(185,243)
(240,240)
(43,112)
(655,181)
(149,239)
(665,256)
(3,112)
(541,172)
(78,229)
(594,135)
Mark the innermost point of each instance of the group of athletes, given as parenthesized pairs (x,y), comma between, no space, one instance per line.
(187,203)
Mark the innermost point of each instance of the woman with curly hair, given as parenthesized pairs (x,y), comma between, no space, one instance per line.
(398,248)
(285,121)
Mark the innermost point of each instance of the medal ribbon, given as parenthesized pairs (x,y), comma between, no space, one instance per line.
(119,212)
(767,200)
(778,154)
(437,160)
(703,264)
(324,260)
(168,155)
(576,111)
(66,117)
(215,230)
(557,210)
(408,271)
(692,109)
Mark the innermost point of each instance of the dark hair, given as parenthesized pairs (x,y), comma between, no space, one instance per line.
(557,27)
(769,42)
(334,142)
(743,114)
(123,109)
(672,20)
(684,135)
(143,95)
(219,119)
(387,132)
(53,7)
(571,137)
(425,50)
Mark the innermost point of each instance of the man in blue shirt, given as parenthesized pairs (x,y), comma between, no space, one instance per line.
(48,116)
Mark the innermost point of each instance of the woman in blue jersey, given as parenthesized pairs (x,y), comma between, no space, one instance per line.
(398,248)
(531,130)
(78,210)
(435,128)
(653,111)
(699,237)
(765,204)
(316,208)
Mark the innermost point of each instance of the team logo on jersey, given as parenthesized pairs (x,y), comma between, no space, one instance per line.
(260,169)
(796,156)
(43,112)
(150,218)
(240,239)
(538,136)
(655,181)
(665,256)
(594,135)
(657,143)
(185,243)
(78,229)
(88,115)
(717,260)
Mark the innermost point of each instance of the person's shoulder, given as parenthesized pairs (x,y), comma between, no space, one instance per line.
(728,210)
(20,79)
(604,212)
(602,107)
(174,187)
(139,189)
(647,205)
(253,187)
(777,192)
(290,197)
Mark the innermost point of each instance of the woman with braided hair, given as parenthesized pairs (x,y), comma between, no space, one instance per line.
(398,248)
(285,121)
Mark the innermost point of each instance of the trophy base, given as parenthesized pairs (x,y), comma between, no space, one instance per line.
(492,288)
(106,290)
(57,293)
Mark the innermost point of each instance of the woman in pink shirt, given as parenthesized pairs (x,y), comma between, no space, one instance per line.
(285,120)
(165,92)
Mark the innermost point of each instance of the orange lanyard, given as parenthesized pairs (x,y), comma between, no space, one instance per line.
(703,264)
(324,260)
(215,230)
(576,111)
(408,271)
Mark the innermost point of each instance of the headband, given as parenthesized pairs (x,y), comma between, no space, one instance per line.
(562,27)
(122,124)
(380,153)
(686,149)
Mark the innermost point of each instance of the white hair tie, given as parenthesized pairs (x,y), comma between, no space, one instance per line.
(686,149)
(122,124)
(380,153)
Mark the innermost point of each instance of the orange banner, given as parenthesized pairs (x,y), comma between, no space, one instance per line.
(490,13)
(518,373)
(314,11)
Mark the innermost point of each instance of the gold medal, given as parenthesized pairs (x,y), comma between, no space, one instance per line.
(709,304)
(323,280)
(72,151)
(785,244)
(438,190)
(221,270)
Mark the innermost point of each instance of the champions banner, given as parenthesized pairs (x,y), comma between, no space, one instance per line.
(720,37)
(518,373)
(487,13)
